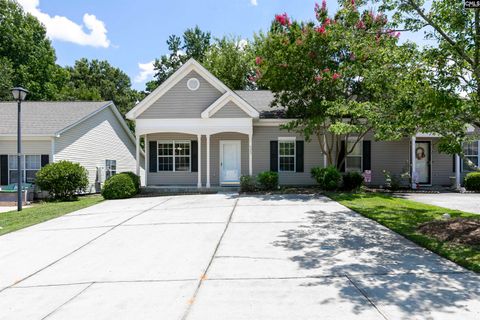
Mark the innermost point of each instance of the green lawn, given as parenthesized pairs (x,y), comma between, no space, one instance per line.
(403,216)
(39,212)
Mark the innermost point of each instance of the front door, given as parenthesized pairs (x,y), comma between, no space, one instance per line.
(230,162)
(423,158)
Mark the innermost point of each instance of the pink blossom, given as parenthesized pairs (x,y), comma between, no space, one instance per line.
(397,35)
(328,21)
(353,2)
(324,5)
(258,61)
(320,29)
(326,70)
(283,19)
(360,24)
(336,76)
(318,78)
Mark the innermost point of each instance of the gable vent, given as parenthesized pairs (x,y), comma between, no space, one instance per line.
(193,84)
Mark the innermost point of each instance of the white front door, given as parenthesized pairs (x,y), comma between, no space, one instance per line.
(423,162)
(230,155)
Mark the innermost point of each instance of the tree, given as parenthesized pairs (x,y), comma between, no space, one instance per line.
(336,77)
(99,80)
(27,56)
(231,62)
(194,45)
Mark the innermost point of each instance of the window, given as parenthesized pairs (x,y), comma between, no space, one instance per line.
(174,156)
(286,155)
(31,164)
(471,153)
(354,160)
(110,168)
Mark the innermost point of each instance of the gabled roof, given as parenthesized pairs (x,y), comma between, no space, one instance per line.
(226,98)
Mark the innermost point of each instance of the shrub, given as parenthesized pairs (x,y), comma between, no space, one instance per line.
(352,181)
(247,184)
(392,182)
(135,179)
(119,186)
(328,178)
(63,180)
(268,180)
(472,181)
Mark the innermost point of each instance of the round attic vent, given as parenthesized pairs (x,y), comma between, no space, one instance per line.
(193,84)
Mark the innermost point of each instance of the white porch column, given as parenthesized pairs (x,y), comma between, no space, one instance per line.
(199,179)
(250,154)
(414,163)
(147,151)
(137,155)
(208,161)
(457,172)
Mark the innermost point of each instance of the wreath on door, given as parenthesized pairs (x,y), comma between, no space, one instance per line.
(420,153)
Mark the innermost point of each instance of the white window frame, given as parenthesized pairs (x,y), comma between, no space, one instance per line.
(470,156)
(24,163)
(175,156)
(360,145)
(109,168)
(287,139)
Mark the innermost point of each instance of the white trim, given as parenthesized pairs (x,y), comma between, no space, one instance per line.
(52,151)
(175,156)
(137,155)
(283,140)
(239,144)
(207,185)
(471,155)
(230,96)
(360,143)
(287,139)
(413,161)
(190,65)
(147,159)
(458,181)
(199,160)
(271,122)
(250,154)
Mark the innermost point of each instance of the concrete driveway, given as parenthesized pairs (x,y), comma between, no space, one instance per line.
(468,202)
(223,257)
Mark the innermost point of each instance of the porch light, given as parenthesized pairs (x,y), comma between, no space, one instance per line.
(19,94)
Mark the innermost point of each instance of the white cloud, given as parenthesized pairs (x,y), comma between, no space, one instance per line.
(63,29)
(146,72)
(254,2)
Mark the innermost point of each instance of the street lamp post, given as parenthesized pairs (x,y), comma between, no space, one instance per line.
(19,95)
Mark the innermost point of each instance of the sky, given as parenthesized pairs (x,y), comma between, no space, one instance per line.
(131,34)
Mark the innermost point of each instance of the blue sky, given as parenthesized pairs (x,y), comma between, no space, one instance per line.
(128,33)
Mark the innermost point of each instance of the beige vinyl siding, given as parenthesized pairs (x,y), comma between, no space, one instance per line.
(95,140)
(176,178)
(180,102)
(215,154)
(313,157)
(392,156)
(230,110)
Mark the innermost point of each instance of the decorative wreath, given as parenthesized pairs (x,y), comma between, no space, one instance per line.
(422,153)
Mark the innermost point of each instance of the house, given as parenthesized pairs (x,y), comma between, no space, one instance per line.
(93,134)
(199,132)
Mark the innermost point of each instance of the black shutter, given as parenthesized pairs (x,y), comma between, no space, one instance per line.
(152,156)
(367,155)
(45,160)
(274,156)
(299,156)
(194,151)
(453,167)
(3,169)
(341,156)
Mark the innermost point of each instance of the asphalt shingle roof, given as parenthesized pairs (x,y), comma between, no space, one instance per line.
(261,100)
(44,117)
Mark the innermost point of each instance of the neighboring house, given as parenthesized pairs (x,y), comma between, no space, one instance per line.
(199,132)
(93,134)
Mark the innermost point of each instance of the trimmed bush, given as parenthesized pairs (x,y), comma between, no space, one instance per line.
(352,181)
(328,178)
(63,180)
(119,186)
(247,184)
(268,180)
(472,181)
(135,179)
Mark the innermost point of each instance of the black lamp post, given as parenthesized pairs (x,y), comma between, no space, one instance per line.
(19,95)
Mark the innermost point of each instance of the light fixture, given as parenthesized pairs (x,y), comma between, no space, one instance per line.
(19,93)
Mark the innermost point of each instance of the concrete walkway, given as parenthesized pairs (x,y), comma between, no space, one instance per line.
(223,257)
(468,202)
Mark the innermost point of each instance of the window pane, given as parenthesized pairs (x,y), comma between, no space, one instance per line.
(354,164)
(287,164)
(466,165)
(165,149)
(12,162)
(471,148)
(357,151)
(33,162)
(165,164)
(13,176)
(286,148)
(182,163)
(30,176)
(182,149)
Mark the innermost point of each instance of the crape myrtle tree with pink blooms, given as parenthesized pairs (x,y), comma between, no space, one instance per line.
(339,77)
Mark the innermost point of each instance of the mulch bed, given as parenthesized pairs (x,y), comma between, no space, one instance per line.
(457,230)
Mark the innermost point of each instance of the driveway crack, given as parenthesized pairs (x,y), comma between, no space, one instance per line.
(364,294)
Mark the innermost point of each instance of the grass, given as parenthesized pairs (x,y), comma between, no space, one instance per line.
(404,216)
(43,211)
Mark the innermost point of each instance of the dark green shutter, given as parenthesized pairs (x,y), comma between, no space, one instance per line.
(274,156)
(299,156)
(3,169)
(341,156)
(152,156)
(45,159)
(367,155)
(194,151)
